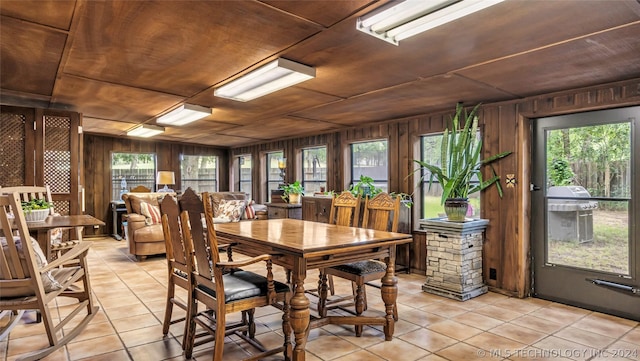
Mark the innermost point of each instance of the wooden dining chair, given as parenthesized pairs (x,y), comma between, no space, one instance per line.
(29,282)
(178,272)
(380,213)
(178,258)
(223,288)
(57,245)
(140,189)
(344,211)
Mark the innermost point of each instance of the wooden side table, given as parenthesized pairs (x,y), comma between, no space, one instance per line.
(284,210)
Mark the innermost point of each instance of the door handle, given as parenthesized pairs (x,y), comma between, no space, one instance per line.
(615,286)
(533,187)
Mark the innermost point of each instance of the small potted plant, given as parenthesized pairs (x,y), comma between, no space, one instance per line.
(364,187)
(36,210)
(459,170)
(293,192)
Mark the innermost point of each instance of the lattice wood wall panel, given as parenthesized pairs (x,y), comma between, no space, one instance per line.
(57,154)
(61,207)
(12,149)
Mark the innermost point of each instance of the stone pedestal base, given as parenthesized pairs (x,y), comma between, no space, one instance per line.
(454,258)
(460,296)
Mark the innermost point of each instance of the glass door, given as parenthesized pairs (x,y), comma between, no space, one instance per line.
(586,247)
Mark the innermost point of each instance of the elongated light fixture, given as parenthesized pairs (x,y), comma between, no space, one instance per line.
(184,114)
(145,131)
(276,75)
(412,17)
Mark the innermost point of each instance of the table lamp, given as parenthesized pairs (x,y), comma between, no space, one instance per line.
(166,178)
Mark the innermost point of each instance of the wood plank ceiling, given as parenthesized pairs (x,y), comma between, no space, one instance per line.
(122,63)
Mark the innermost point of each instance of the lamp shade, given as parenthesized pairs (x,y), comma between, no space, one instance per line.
(166,177)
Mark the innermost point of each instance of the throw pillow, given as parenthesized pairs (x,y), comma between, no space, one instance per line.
(232,209)
(249,211)
(151,213)
(217,197)
(49,283)
(135,203)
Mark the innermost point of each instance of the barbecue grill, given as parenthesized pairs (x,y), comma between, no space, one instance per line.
(570,219)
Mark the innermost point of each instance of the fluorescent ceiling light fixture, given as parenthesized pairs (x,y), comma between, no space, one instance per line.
(184,114)
(276,75)
(145,131)
(412,17)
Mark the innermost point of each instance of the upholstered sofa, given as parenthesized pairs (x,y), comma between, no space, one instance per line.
(145,238)
(144,229)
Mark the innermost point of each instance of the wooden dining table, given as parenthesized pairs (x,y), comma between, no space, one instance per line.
(300,246)
(78,222)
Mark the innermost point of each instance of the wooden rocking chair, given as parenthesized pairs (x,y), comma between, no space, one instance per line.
(28,282)
(57,245)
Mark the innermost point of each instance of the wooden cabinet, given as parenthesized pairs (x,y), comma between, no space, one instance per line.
(284,210)
(316,209)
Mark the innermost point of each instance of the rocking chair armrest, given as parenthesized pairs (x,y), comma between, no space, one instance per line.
(71,254)
(246,262)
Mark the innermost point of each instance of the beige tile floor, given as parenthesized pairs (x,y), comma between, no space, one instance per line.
(131,296)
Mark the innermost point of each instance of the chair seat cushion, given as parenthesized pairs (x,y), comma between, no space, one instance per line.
(244,284)
(362,267)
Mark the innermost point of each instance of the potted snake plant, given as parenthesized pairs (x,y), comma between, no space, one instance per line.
(459,168)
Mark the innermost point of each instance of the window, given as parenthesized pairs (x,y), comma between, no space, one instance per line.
(431,198)
(245,166)
(275,175)
(370,159)
(200,172)
(314,169)
(129,170)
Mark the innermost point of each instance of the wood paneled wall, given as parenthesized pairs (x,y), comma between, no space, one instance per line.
(97,164)
(505,127)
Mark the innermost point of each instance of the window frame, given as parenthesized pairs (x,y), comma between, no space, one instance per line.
(131,182)
(241,159)
(305,182)
(383,184)
(268,180)
(185,182)
(423,184)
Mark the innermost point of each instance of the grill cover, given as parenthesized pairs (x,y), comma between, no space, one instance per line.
(569,205)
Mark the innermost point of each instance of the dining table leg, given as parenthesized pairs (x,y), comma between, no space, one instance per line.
(300,315)
(389,290)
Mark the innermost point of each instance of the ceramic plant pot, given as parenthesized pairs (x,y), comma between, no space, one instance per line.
(456,209)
